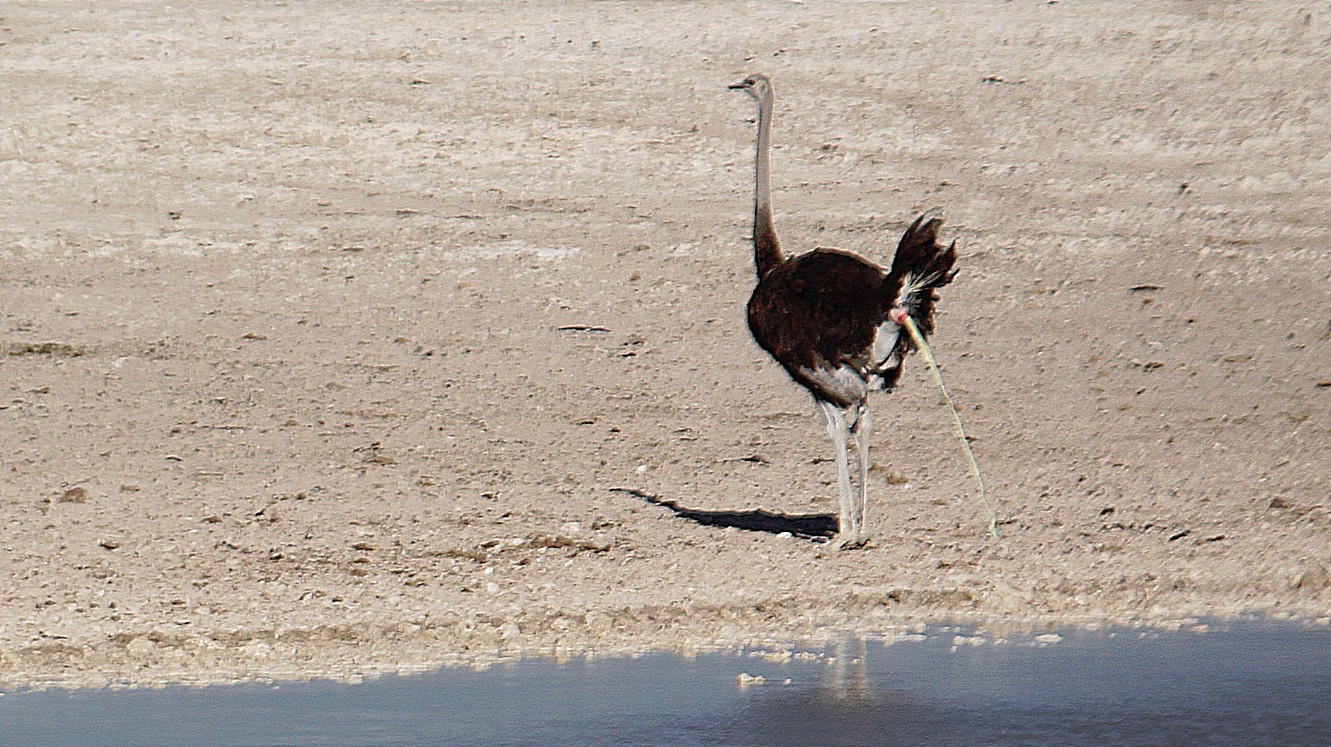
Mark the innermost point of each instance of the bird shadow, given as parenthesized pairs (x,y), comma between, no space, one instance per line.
(806,526)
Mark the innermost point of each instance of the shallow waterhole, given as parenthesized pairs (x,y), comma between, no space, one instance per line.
(1248,683)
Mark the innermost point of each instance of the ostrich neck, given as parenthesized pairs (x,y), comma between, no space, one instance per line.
(766,246)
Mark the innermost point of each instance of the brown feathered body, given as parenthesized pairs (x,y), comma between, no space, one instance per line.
(824,315)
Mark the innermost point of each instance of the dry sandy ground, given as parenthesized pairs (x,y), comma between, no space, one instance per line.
(345,337)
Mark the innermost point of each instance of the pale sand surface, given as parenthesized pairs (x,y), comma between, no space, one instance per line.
(329,329)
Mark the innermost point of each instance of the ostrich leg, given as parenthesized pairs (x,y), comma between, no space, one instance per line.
(837,428)
(863,430)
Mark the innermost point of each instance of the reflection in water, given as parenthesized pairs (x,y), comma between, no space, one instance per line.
(850,669)
(1250,686)
(1247,687)
(845,707)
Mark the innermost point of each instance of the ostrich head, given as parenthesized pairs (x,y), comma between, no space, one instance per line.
(758,86)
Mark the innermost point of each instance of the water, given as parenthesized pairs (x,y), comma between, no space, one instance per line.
(1250,685)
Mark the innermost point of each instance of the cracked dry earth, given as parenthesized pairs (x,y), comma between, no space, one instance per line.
(350,337)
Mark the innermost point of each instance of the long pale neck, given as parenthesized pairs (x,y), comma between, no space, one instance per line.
(766,246)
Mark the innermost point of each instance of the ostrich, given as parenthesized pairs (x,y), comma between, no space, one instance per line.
(833,319)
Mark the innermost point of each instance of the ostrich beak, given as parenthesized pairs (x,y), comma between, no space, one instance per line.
(738,86)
